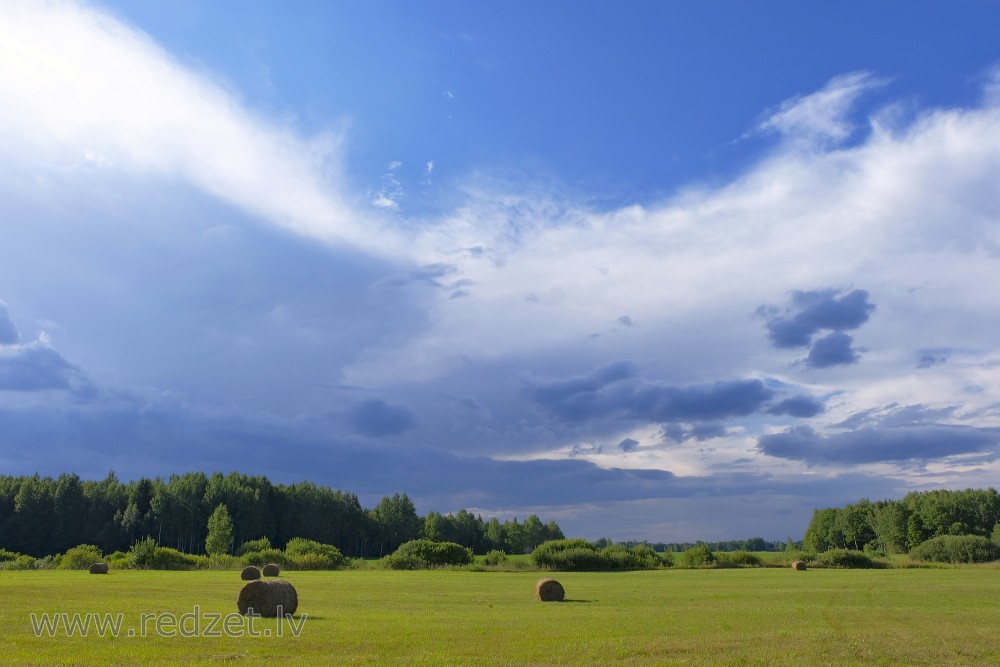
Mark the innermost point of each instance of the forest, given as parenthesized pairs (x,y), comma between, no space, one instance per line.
(42,515)
(898,526)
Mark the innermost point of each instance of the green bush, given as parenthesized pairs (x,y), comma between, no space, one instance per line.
(956,549)
(398,561)
(699,555)
(571,554)
(298,548)
(265,556)
(254,545)
(8,555)
(80,557)
(646,555)
(844,558)
(639,557)
(20,562)
(577,555)
(142,553)
(435,553)
(165,558)
(738,559)
(224,562)
(313,562)
(495,557)
(147,555)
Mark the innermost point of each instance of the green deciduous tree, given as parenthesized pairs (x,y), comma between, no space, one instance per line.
(220,532)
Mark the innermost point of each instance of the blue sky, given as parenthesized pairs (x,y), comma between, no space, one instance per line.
(653,270)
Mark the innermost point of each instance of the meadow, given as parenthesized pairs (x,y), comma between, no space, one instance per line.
(759,616)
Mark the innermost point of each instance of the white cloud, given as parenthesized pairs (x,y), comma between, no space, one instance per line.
(76,83)
(823,115)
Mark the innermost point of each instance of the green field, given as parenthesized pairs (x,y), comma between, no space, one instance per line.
(666,617)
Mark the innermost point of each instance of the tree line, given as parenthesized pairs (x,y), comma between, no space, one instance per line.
(42,515)
(897,526)
(750,544)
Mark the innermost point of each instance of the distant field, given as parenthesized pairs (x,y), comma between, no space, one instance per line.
(684,617)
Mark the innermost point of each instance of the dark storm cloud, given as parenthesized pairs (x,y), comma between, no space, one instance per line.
(813,311)
(376,418)
(921,442)
(8,332)
(678,433)
(802,407)
(702,432)
(931,358)
(614,391)
(628,445)
(36,367)
(835,349)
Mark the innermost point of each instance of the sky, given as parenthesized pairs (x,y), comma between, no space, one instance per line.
(653,270)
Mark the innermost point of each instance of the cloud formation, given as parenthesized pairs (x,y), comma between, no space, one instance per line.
(923,442)
(615,392)
(376,418)
(813,311)
(79,85)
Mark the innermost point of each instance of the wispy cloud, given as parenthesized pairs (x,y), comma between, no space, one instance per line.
(75,83)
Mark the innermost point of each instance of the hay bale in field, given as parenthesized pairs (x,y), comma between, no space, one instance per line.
(271,570)
(99,568)
(549,590)
(263,597)
(250,573)
(799,566)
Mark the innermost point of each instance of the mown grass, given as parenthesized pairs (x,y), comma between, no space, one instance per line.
(757,616)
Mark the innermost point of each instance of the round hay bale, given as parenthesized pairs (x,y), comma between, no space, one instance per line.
(99,568)
(271,570)
(549,590)
(263,597)
(799,566)
(250,573)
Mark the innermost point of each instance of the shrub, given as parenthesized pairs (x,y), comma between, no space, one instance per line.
(495,557)
(223,562)
(699,555)
(80,557)
(254,545)
(738,559)
(844,558)
(313,562)
(147,555)
(299,547)
(265,556)
(580,555)
(8,555)
(20,562)
(435,553)
(399,561)
(648,557)
(875,550)
(142,553)
(564,554)
(639,557)
(956,549)
(165,558)
(122,562)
